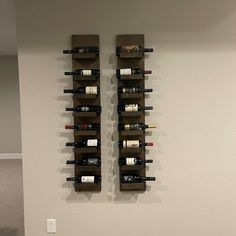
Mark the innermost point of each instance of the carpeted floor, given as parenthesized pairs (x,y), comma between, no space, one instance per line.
(11,198)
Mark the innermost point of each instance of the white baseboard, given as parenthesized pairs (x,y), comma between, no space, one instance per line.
(9,156)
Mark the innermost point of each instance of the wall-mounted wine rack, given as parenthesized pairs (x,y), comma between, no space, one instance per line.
(130,57)
(85,58)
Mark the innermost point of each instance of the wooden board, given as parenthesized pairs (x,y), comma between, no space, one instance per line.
(89,61)
(138,117)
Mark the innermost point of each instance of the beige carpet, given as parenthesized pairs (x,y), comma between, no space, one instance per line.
(11,198)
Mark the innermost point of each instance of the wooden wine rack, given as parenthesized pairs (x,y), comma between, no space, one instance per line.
(86,61)
(126,60)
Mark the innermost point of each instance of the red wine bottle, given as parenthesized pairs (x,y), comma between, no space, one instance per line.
(86,179)
(85,143)
(84,126)
(132,161)
(134,126)
(129,49)
(89,161)
(84,108)
(131,71)
(84,90)
(78,72)
(135,179)
(81,50)
(132,108)
(127,90)
(133,144)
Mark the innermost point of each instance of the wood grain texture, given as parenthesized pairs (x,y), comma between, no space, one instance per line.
(89,61)
(131,80)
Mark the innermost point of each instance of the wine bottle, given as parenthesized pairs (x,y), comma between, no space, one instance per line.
(132,49)
(89,161)
(94,72)
(127,90)
(135,126)
(131,161)
(84,126)
(132,108)
(86,179)
(133,144)
(131,71)
(84,90)
(81,50)
(85,143)
(135,179)
(83,108)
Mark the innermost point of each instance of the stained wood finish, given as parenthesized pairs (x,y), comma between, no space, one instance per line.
(86,61)
(132,132)
(126,61)
(85,132)
(129,96)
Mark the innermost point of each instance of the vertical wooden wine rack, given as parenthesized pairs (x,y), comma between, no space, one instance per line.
(86,61)
(126,60)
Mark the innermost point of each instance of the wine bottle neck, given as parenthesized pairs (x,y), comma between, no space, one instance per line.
(149,144)
(148,49)
(70,178)
(147,72)
(68,73)
(69,126)
(148,108)
(69,90)
(69,162)
(70,144)
(70,109)
(147,90)
(148,161)
(150,178)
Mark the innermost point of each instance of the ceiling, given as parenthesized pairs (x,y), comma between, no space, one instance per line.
(8,42)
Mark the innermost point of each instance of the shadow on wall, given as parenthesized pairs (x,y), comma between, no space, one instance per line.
(8,232)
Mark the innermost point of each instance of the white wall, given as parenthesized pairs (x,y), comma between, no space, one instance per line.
(10,135)
(194,80)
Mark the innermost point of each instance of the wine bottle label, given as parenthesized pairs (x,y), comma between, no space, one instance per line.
(137,127)
(84,108)
(87,179)
(84,126)
(92,142)
(81,50)
(124,90)
(86,72)
(130,48)
(125,71)
(131,143)
(130,161)
(132,127)
(91,89)
(129,90)
(128,178)
(92,161)
(131,107)
(127,127)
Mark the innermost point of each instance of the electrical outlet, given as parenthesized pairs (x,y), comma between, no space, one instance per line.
(51,226)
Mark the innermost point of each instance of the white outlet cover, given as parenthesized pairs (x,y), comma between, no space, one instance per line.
(51,226)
